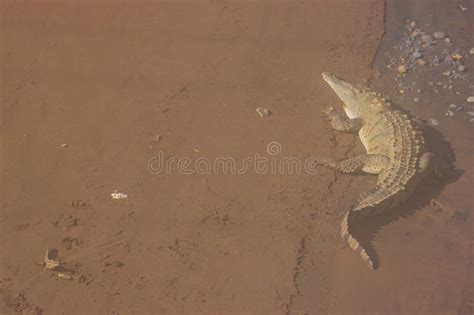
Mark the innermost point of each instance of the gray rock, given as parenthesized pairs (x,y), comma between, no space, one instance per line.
(434,122)
(439,35)
(449,60)
(470,99)
(421,62)
(426,38)
(417,54)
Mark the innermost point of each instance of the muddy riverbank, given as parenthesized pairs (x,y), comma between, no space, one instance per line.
(91,92)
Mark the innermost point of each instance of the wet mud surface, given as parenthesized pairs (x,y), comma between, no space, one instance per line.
(91,92)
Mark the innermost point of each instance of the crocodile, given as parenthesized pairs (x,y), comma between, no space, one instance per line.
(395,152)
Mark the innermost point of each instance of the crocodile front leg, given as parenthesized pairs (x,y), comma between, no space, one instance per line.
(369,163)
(340,122)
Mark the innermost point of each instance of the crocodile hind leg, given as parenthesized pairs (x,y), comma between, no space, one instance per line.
(369,163)
(341,123)
(430,163)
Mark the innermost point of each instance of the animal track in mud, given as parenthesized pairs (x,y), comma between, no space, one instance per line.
(79,204)
(71,242)
(300,256)
(219,216)
(21,305)
(67,223)
(181,247)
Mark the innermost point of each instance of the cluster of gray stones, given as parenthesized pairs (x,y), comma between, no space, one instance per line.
(422,50)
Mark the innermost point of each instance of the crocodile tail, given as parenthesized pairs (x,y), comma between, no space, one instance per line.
(353,243)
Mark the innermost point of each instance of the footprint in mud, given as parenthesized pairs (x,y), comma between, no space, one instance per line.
(68,222)
(79,204)
(460,216)
(71,242)
(182,247)
(113,264)
(219,216)
(20,304)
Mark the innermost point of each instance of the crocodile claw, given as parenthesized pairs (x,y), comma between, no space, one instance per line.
(329,113)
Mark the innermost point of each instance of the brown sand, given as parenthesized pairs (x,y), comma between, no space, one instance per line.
(105,79)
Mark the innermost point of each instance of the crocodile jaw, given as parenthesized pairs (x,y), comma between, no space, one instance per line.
(346,92)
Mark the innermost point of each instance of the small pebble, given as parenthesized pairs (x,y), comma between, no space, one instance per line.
(426,38)
(418,91)
(457,57)
(416,55)
(449,113)
(471,120)
(453,106)
(470,99)
(461,68)
(434,122)
(439,35)
(447,40)
(263,112)
(64,145)
(449,60)
(402,69)
(463,8)
(416,100)
(471,51)
(470,113)
(421,62)
(412,24)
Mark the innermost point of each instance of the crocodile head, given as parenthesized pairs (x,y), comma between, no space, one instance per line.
(356,101)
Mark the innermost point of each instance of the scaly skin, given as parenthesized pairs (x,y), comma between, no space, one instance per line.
(395,152)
